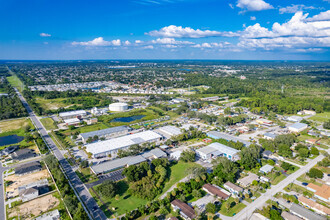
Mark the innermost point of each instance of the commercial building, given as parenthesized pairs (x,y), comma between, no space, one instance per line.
(320,192)
(306,112)
(263,121)
(72,121)
(216,150)
(297,127)
(294,118)
(118,107)
(106,133)
(270,136)
(73,114)
(216,191)
(111,147)
(305,213)
(27,168)
(221,135)
(169,131)
(127,161)
(186,211)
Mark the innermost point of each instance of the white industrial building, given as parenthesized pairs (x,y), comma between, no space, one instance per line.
(111,147)
(294,118)
(297,127)
(71,121)
(216,150)
(106,133)
(169,131)
(118,107)
(73,114)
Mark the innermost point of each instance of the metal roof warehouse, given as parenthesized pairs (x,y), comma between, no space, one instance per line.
(104,148)
(105,132)
(218,135)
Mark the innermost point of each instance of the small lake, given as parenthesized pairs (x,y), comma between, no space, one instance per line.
(10,139)
(128,119)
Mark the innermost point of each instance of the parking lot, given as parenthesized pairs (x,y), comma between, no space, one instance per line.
(114,176)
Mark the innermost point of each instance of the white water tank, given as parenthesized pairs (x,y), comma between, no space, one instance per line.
(118,107)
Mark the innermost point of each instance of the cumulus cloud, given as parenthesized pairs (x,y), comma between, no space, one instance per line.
(148,47)
(253,5)
(253,18)
(173,31)
(127,43)
(45,35)
(323,16)
(295,8)
(138,41)
(99,41)
(299,31)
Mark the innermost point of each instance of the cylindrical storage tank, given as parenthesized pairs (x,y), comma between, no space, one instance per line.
(118,107)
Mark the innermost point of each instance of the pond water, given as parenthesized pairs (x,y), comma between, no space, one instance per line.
(128,119)
(10,139)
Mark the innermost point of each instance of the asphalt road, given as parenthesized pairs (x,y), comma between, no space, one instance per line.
(85,196)
(2,191)
(259,202)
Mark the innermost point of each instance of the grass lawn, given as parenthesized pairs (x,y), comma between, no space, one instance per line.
(322,117)
(88,128)
(126,202)
(10,125)
(51,104)
(177,172)
(15,82)
(48,123)
(306,179)
(298,189)
(86,175)
(278,179)
(233,210)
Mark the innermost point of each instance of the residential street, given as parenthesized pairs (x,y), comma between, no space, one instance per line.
(259,202)
(78,185)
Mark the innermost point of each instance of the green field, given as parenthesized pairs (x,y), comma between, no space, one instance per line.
(48,123)
(126,202)
(321,117)
(233,210)
(177,172)
(15,82)
(52,104)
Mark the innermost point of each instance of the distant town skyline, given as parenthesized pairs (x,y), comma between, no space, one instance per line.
(165,29)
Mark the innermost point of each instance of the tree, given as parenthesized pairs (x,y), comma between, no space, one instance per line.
(286,166)
(271,162)
(188,156)
(71,127)
(315,173)
(284,150)
(250,156)
(227,111)
(275,215)
(304,153)
(210,208)
(326,124)
(107,189)
(315,151)
(27,128)
(196,193)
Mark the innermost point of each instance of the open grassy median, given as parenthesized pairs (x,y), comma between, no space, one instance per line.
(16,82)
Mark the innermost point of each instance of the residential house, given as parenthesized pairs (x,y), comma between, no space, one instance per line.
(320,192)
(305,213)
(321,209)
(246,181)
(186,211)
(266,169)
(289,216)
(234,189)
(216,191)
(23,154)
(28,168)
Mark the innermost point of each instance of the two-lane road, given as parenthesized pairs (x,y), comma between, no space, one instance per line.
(85,196)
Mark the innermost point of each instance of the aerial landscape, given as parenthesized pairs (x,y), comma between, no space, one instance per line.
(165,109)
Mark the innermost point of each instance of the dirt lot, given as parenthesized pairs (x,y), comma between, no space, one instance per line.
(10,125)
(35,207)
(23,180)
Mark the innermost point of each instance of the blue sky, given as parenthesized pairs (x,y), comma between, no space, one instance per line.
(165,29)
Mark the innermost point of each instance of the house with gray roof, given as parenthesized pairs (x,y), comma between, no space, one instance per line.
(305,213)
(221,135)
(28,168)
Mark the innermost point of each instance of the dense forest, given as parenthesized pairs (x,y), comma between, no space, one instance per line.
(10,104)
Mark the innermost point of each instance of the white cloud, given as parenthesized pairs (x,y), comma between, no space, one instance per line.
(231,6)
(253,5)
(148,47)
(298,32)
(173,31)
(323,16)
(295,8)
(45,35)
(168,40)
(127,43)
(253,18)
(138,41)
(99,41)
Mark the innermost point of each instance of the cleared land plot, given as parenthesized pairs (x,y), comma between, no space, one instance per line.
(35,207)
(52,104)
(48,123)
(16,181)
(322,117)
(10,125)
(15,82)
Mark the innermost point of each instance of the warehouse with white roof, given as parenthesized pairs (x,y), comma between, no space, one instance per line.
(169,131)
(111,147)
(215,150)
(72,114)
(106,133)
